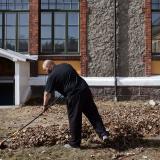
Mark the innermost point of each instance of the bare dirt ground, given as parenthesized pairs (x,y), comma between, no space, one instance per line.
(128,123)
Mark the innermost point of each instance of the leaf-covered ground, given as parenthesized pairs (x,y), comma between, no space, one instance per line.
(130,125)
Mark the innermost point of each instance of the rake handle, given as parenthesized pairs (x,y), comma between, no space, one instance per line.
(29,122)
(21,128)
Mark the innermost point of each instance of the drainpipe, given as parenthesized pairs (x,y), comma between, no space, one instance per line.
(115,53)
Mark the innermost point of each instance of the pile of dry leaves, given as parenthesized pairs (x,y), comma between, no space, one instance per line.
(126,124)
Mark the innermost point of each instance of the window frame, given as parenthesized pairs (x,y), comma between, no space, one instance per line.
(154,11)
(17,28)
(52,12)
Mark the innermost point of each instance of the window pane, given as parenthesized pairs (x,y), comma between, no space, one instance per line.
(23,33)
(52,6)
(23,46)
(3,1)
(0,32)
(156,46)
(59,32)
(155,4)
(46,46)
(59,1)
(75,0)
(25,6)
(156,39)
(67,1)
(59,46)
(18,6)
(15,5)
(17,1)
(10,32)
(0,19)
(44,1)
(75,6)
(23,19)
(155,32)
(73,18)
(60,6)
(20,1)
(23,1)
(3,6)
(1,43)
(59,18)
(73,32)
(67,6)
(72,45)
(155,1)
(10,1)
(44,6)
(10,19)
(46,19)
(10,44)
(52,1)
(11,6)
(46,32)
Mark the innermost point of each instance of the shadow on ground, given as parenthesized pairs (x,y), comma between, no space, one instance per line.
(123,143)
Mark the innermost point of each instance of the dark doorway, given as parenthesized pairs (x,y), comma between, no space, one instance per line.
(6,82)
(6,93)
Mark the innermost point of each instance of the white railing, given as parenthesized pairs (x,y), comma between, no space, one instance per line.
(107,81)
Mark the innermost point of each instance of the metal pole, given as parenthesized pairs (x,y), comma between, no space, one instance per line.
(115,52)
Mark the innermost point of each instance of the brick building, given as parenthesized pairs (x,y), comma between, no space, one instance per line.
(82,33)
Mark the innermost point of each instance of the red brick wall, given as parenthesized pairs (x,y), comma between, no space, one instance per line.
(34,26)
(83,36)
(34,32)
(148,38)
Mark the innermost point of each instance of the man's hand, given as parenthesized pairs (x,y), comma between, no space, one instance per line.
(46,98)
(45,107)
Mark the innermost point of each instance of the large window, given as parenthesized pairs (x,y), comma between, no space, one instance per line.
(60,27)
(14,25)
(156,26)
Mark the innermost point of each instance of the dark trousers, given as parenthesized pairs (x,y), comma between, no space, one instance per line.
(76,105)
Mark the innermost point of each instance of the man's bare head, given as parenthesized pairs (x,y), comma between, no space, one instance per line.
(48,66)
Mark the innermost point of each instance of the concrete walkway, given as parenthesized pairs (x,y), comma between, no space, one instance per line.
(12,107)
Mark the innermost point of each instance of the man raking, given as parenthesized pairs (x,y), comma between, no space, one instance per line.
(64,79)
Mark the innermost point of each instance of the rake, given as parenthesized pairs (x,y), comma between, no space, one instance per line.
(2,143)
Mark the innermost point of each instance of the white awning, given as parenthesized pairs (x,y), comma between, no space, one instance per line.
(22,74)
(15,56)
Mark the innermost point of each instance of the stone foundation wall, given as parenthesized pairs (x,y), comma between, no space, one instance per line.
(127,93)
(108,93)
(130,37)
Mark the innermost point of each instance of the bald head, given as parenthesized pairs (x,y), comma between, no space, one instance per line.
(48,66)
